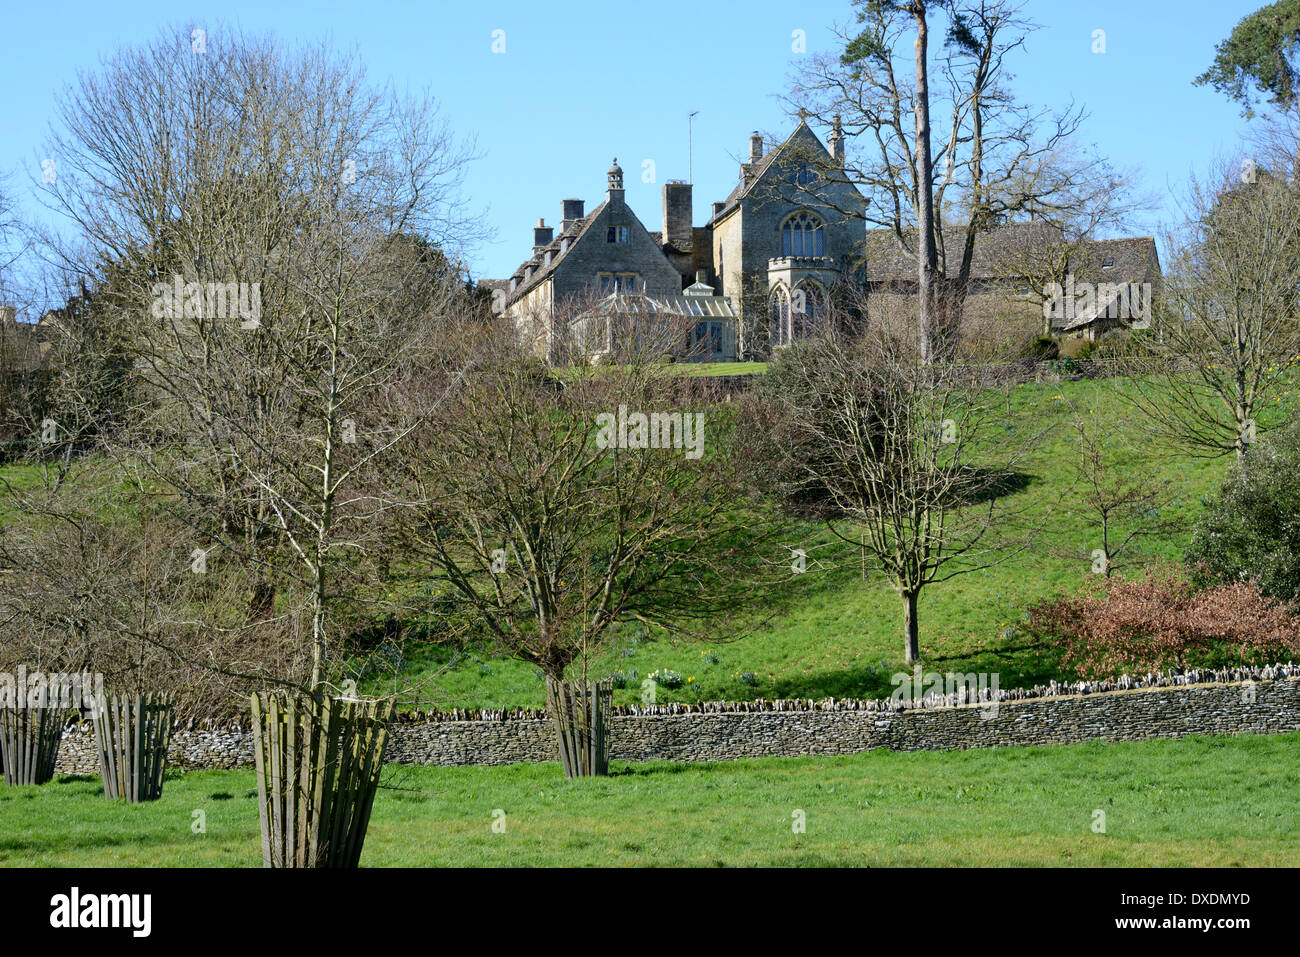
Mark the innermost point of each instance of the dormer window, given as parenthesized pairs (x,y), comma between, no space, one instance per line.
(617,234)
(1107,263)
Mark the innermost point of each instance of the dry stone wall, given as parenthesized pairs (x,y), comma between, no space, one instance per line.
(1260,707)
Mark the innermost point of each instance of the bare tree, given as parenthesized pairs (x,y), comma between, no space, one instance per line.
(553,506)
(266,265)
(997,161)
(1226,329)
(910,463)
(1118,498)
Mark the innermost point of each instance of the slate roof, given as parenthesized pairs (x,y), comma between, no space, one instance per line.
(751,173)
(538,260)
(994,249)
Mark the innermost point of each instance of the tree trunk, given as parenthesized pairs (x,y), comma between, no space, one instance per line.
(911,636)
(926,255)
(261,604)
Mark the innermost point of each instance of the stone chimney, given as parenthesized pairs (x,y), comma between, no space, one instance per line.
(718,208)
(571,213)
(677,215)
(755,147)
(542,236)
(836,142)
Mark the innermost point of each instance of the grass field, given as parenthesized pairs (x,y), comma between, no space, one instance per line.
(840,635)
(1206,801)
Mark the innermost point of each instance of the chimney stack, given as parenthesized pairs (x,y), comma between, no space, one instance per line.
(836,141)
(755,147)
(542,236)
(677,215)
(571,213)
(717,208)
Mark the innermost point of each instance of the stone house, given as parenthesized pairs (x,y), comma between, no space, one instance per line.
(1103,284)
(760,271)
(756,275)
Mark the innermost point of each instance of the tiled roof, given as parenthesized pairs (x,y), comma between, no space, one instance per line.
(996,251)
(538,261)
(750,173)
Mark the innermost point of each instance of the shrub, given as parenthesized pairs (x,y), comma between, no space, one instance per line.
(1251,528)
(1163,620)
(1076,348)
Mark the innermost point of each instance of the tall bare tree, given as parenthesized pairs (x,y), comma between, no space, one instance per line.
(996,160)
(262,213)
(1228,325)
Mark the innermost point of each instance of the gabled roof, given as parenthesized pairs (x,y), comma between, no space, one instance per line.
(751,174)
(1130,259)
(538,261)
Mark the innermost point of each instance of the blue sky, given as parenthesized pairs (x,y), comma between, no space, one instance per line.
(582,82)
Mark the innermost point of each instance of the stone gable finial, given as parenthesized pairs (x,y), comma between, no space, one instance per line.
(615,175)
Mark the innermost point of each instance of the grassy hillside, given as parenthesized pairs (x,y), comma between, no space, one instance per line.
(836,634)
(1165,804)
(840,635)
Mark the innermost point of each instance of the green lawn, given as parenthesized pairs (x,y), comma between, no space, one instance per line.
(1211,801)
(839,635)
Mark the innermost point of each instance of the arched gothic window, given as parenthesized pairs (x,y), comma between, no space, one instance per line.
(803,235)
(807,307)
(780,326)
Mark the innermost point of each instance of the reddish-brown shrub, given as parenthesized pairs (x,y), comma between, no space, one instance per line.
(1161,620)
